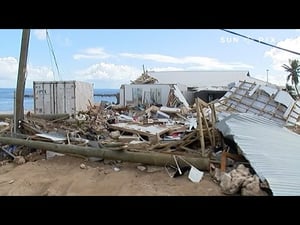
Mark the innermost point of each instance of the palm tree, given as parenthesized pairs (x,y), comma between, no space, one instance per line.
(293,70)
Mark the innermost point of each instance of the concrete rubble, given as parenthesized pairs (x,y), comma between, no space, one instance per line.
(241,181)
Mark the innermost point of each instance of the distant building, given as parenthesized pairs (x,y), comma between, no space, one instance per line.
(207,85)
(153,94)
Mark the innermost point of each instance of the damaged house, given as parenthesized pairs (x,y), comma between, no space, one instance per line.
(256,117)
(157,87)
(207,85)
(153,94)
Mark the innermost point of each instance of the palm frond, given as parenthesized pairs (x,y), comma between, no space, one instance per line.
(287,68)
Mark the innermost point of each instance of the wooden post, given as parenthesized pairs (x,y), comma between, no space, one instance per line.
(19,101)
(213,122)
(206,125)
(200,128)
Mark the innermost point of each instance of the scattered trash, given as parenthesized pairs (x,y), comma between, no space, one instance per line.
(153,169)
(117,169)
(8,152)
(171,170)
(115,134)
(50,154)
(82,166)
(4,162)
(195,175)
(19,160)
(11,181)
(142,168)
(176,171)
(177,165)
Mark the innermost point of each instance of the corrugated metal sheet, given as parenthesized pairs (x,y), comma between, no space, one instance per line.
(272,150)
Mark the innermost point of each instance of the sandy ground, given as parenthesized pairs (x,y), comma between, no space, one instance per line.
(62,176)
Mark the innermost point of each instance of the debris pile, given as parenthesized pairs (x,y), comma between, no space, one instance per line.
(145,78)
(153,134)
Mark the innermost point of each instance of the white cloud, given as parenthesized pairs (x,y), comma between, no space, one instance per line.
(198,62)
(273,77)
(67,42)
(38,73)
(9,73)
(152,57)
(280,57)
(118,74)
(63,41)
(92,53)
(8,65)
(40,34)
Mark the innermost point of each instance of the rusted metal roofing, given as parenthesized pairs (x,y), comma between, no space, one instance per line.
(272,150)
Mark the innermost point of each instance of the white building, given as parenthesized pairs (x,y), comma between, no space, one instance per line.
(208,85)
(147,94)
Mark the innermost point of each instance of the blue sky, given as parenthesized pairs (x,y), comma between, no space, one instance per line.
(111,57)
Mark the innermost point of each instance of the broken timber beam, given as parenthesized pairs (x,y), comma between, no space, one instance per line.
(150,158)
(226,155)
(41,116)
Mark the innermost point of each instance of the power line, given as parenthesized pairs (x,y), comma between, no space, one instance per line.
(52,51)
(261,42)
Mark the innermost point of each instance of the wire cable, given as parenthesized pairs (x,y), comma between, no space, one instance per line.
(52,51)
(261,42)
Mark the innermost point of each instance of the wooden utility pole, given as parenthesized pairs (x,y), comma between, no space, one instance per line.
(149,158)
(19,100)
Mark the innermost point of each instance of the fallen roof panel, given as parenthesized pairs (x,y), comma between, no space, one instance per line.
(272,150)
(267,101)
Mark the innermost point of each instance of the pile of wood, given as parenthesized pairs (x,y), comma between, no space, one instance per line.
(144,79)
(156,129)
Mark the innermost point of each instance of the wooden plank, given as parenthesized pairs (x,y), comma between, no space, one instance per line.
(226,155)
(213,121)
(148,131)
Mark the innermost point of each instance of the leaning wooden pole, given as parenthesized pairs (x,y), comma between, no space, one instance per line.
(150,158)
(19,101)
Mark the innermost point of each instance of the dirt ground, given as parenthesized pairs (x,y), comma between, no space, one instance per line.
(63,176)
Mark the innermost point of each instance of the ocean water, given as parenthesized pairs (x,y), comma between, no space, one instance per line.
(7,98)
